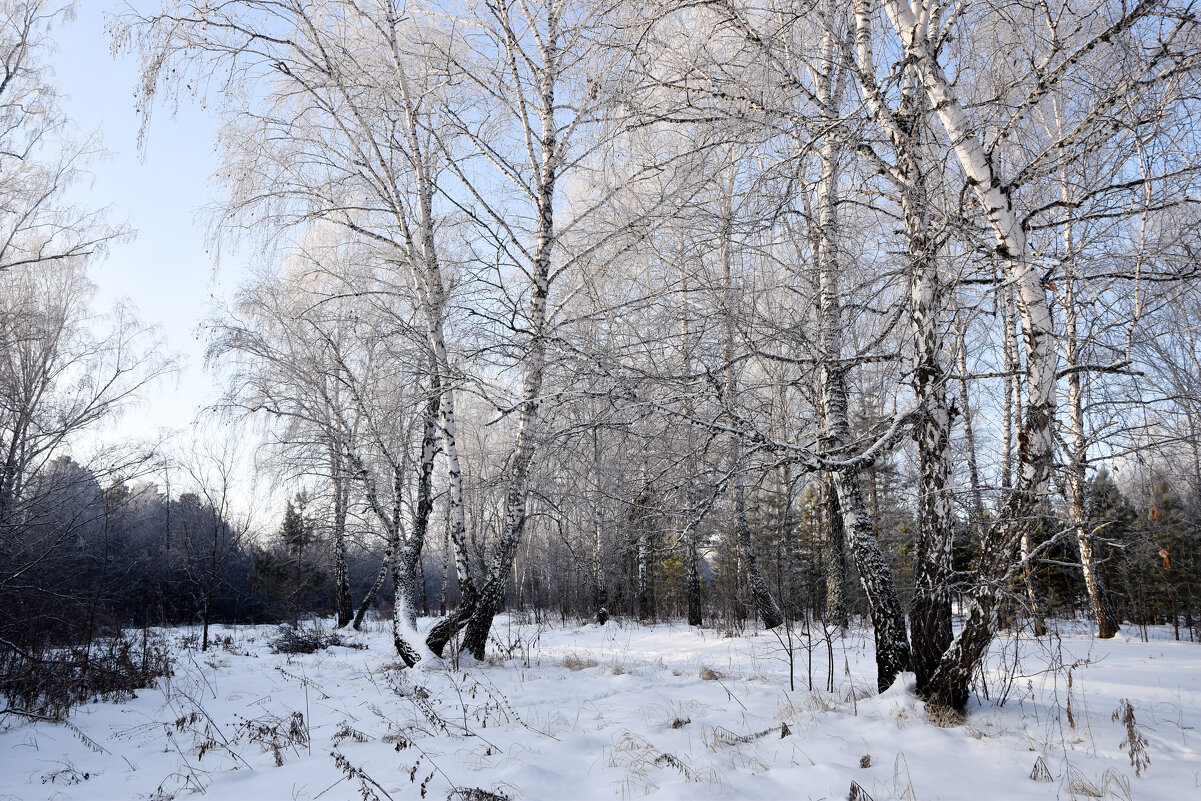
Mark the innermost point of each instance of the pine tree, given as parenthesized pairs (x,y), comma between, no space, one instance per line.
(1111,521)
(287,570)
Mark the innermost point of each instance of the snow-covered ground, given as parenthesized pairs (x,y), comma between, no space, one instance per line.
(624,711)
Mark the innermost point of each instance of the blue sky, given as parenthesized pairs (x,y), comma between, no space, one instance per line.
(165,272)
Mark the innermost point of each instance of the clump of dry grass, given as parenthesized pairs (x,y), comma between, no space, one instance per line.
(574,661)
(38,682)
(944,717)
(709,674)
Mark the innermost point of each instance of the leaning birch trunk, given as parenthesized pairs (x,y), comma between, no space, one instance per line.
(544,149)
(407,569)
(836,556)
(426,268)
(368,599)
(949,685)
(449,625)
(399,562)
(479,624)
(401,559)
(888,619)
(492,592)
(453,621)
(422,257)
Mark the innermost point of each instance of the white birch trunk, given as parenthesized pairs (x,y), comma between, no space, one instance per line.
(547,154)
(875,575)
(1036,442)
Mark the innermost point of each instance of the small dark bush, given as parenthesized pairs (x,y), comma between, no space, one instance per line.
(301,640)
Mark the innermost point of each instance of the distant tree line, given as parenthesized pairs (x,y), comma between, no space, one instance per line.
(87,560)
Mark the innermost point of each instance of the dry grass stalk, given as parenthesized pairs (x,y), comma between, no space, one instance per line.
(1135,743)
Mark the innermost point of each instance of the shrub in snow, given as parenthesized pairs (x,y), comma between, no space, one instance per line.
(41,682)
(301,640)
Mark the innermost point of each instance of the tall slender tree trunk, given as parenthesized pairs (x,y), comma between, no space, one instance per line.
(1077,472)
(692,579)
(644,565)
(976,510)
(600,592)
(1011,418)
(428,281)
(930,613)
(1013,415)
(341,489)
(693,598)
(875,575)
(761,595)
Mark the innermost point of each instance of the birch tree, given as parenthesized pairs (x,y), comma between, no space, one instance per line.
(536,69)
(1000,171)
(344,93)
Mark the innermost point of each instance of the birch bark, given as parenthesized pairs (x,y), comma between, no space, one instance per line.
(544,147)
(875,575)
(916,25)
(930,612)
(1077,472)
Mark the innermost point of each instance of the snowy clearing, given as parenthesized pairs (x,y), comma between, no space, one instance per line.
(623,711)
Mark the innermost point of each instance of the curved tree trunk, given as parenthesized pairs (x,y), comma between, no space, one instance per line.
(369,598)
(406,570)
